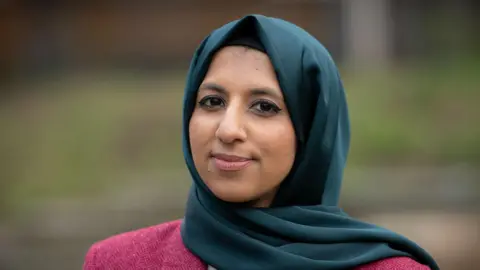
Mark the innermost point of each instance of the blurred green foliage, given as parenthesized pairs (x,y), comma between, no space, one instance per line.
(417,115)
(81,135)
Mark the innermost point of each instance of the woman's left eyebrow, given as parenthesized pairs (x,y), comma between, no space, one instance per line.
(265,92)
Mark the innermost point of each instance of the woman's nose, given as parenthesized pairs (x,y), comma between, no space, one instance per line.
(231,127)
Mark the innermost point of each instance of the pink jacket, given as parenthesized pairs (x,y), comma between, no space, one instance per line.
(161,248)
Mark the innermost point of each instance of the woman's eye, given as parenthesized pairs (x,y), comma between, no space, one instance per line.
(266,108)
(211,102)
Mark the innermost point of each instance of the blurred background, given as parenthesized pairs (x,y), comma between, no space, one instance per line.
(90,113)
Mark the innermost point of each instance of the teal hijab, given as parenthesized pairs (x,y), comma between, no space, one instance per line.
(304,228)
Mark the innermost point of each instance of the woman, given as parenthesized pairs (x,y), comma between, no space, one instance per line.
(266,136)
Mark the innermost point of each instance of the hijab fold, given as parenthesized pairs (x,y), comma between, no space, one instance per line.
(304,228)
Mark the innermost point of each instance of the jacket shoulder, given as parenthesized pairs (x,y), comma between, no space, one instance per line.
(395,263)
(149,247)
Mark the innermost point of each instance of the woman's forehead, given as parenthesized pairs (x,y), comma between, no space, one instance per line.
(240,66)
(237,53)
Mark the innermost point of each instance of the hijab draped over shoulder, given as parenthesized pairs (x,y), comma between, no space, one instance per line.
(304,228)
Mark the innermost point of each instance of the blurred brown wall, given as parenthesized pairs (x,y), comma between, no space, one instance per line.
(38,34)
(170,32)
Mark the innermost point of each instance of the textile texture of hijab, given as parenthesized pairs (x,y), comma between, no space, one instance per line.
(304,228)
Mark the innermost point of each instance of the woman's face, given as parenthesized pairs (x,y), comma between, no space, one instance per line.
(241,136)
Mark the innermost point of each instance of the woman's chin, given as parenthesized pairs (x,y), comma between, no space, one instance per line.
(233,195)
(247,197)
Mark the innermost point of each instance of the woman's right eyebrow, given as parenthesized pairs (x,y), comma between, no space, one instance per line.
(214,87)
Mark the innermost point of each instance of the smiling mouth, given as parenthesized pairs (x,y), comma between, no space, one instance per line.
(230,163)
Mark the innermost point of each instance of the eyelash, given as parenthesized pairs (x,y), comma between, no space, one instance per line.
(274,109)
(203,101)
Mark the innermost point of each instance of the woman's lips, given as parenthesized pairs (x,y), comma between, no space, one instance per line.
(225,162)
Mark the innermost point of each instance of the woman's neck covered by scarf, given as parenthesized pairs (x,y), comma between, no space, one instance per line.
(304,228)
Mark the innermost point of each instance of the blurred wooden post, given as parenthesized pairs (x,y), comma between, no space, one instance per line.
(366,32)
